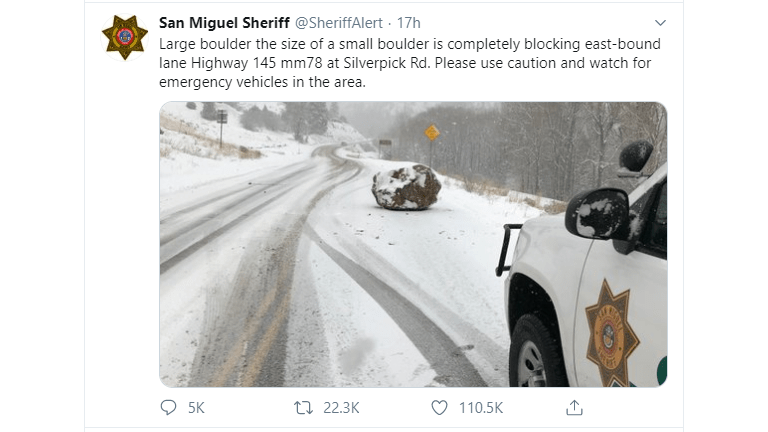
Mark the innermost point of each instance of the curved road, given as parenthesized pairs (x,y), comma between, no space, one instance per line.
(227,265)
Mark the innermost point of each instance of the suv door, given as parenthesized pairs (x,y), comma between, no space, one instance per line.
(620,333)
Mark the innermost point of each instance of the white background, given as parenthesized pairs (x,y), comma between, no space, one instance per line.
(121,347)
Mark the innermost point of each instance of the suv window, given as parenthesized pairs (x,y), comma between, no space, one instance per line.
(656,232)
(654,237)
(648,225)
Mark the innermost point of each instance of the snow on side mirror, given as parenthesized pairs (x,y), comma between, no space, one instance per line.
(600,214)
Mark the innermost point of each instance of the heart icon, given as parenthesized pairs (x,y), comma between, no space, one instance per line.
(439,407)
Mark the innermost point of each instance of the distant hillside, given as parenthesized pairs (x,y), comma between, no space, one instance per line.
(183,130)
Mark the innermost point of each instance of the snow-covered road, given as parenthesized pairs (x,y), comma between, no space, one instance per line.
(293,276)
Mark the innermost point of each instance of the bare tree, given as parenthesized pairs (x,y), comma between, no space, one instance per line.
(552,149)
(647,121)
(605,126)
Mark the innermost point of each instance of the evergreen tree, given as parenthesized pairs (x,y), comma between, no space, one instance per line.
(304,118)
(333,111)
(256,118)
(294,117)
(209,111)
(252,119)
(271,120)
(317,117)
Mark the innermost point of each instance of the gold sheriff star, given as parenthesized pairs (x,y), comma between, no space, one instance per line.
(125,36)
(611,338)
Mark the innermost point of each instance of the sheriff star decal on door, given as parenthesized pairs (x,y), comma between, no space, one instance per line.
(611,338)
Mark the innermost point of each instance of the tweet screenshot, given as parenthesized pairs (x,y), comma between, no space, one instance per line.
(383,215)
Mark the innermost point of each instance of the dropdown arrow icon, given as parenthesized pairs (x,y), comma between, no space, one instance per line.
(660,23)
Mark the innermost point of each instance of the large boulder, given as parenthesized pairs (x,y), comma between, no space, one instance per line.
(407,188)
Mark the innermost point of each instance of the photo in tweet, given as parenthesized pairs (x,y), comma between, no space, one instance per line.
(353,244)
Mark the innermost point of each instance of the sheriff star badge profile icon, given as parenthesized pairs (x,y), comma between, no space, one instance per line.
(125,36)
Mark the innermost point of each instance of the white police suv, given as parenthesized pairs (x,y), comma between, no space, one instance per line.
(586,293)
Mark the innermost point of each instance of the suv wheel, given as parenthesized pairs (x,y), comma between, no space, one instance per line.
(534,356)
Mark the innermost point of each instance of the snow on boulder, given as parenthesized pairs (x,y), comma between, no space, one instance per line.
(407,188)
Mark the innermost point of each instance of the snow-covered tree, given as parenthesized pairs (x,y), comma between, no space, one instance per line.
(256,118)
(304,118)
(333,111)
(209,111)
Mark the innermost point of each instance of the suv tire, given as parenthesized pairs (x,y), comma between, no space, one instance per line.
(535,358)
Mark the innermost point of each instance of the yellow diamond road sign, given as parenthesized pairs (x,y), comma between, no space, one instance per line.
(432,132)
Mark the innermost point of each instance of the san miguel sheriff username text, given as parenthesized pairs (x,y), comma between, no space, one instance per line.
(233,23)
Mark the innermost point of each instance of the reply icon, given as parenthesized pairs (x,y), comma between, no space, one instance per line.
(168,406)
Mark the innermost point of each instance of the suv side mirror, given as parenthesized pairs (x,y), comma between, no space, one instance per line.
(600,214)
(633,158)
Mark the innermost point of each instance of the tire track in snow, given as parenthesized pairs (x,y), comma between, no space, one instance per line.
(497,357)
(171,262)
(166,238)
(194,247)
(445,357)
(178,213)
(243,347)
(246,341)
